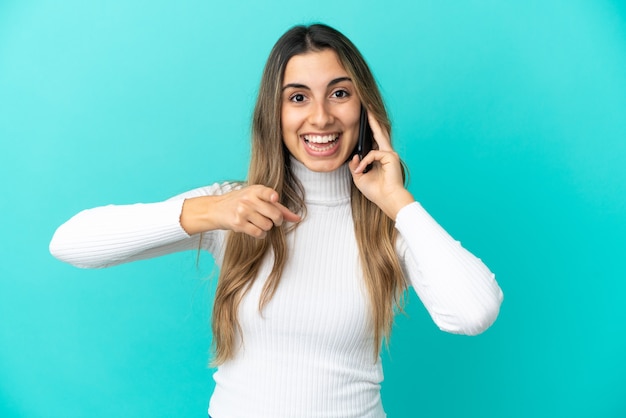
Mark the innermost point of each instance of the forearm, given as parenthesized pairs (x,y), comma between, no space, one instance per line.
(457,288)
(110,235)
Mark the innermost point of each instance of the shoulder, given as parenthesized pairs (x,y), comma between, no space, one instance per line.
(214,189)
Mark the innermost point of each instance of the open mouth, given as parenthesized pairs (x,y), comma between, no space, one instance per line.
(321,143)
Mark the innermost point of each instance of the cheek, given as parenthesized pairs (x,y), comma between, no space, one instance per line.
(351,114)
(288,122)
(351,125)
(288,129)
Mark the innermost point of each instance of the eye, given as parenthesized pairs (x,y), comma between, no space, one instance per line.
(340,94)
(297,98)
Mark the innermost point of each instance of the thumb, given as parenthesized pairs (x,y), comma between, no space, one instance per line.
(354,162)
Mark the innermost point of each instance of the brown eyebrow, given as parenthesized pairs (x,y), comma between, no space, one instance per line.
(304,86)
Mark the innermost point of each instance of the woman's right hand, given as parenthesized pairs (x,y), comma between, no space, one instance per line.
(253,210)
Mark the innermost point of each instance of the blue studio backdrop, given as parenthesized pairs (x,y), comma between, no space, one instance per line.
(510,115)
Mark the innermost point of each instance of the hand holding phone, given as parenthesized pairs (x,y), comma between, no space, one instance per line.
(366,138)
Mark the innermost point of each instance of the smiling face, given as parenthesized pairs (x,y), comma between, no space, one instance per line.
(320,110)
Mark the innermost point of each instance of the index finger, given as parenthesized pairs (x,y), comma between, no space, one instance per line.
(269,195)
(380,135)
(288,215)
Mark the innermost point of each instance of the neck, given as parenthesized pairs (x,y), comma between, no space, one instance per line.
(323,187)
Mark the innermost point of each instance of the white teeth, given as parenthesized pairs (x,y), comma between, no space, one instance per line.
(318,148)
(321,139)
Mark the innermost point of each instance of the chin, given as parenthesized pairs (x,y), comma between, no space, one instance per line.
(323,166)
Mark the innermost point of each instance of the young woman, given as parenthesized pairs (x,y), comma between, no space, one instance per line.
(314,251)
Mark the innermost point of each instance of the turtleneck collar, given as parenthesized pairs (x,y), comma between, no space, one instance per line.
(325,188)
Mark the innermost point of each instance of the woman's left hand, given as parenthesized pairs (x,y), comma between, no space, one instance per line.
(383,183)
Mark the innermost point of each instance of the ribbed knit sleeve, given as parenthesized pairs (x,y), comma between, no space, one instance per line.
(115,234)
(458,290)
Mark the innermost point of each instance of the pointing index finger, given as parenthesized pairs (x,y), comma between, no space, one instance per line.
(271,196)
(288,215)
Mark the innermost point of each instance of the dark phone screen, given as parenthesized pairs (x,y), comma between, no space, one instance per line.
(366,138)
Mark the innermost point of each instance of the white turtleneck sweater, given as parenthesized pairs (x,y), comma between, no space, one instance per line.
(311,353)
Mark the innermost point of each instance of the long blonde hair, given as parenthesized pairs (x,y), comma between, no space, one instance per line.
(270,166)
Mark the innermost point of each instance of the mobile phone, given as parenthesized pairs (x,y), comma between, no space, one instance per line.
(366,138)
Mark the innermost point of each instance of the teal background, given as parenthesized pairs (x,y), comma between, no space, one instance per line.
(511,116)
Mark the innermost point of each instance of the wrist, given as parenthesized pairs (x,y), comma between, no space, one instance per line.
(195,215)
(395,201)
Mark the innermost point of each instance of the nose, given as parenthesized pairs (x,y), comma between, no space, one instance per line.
(320,115)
